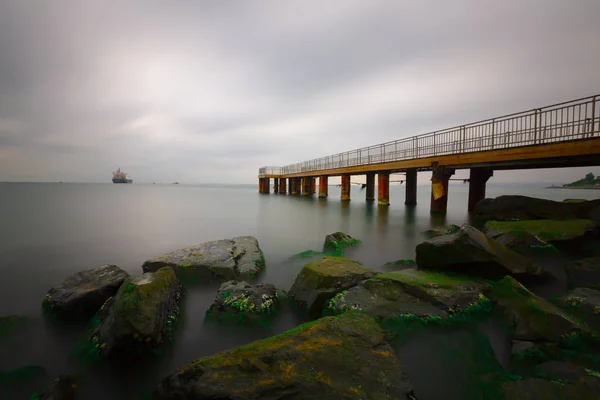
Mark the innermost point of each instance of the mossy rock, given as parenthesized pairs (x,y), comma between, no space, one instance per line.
(240,301)
(574,201)
(441,230)
(522,242)
(335,243)
(80,295)
(331,358)
(471,252)
(22,374)
(139,318)
(320,280)
(446,291)
(532,317)
(10,323)
(381,299)
(240,258)
(583,303)
(584,273)
(545,229)
(513,208)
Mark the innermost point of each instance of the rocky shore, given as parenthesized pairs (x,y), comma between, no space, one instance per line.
(462,278)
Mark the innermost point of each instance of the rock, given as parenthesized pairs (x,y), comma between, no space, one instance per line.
(139,317)
(584,272)
(320,280)
(532,317)
(331,358)
(441,230)
(542,389)
(307,255)
(525,208)
(10,323)
(62,388)
(383,299)
(584,304)
(80,295)
(220,260)
(564,371)
(244,300)
(399,264)
(471,252)
(337,242)
(574,200)
(545,229)
(521,242)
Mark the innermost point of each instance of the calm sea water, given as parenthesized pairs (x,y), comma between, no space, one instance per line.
(48,231)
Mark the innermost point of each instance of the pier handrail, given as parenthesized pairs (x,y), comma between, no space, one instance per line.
(570,120)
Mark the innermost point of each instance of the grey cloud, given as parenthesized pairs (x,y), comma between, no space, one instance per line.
(190,90)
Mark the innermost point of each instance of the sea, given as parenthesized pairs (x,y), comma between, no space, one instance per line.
(50,230)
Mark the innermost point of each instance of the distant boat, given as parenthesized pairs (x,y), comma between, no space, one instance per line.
(121,177)
(175,183)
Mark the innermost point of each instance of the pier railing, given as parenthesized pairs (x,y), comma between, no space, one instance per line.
(571,120)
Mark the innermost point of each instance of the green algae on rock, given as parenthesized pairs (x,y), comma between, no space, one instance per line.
(521,242)
(244,302)
(583,303)
(220,260)
(543,389)
(397,264)
(320,280)
(532,317)
(545,229)
(333,357)
(335,243)
(139,317)
(471,252)
(584,273)
(80,295)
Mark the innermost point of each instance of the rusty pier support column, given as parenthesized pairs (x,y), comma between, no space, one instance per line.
(276,185)
(345,187)
(313,185)
(323,187)
(439,188)
(294,186)
(383,188)
(306,186)
(282,186)
(411,187)
(260,185)
(370,186)
(477,183)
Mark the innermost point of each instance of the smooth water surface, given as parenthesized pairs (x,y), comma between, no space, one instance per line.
(48,231)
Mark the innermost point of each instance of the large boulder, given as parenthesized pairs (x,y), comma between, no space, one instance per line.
(583,303)
(80,295)
(544,389)
(522,207)
(472,252)
(410,291)
(320,280)
(239,258)
(337,242)
(531,317)
(139,317)
(331,358)
(584,272)
(521,242)
(240,300)
(18,383)
(545,229)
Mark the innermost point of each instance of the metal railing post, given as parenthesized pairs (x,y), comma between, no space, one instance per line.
(594,117)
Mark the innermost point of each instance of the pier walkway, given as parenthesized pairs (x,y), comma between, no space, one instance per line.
(561,135)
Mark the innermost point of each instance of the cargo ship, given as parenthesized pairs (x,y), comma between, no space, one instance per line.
(121,177)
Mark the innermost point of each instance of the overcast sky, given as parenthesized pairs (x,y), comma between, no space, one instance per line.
(199,91)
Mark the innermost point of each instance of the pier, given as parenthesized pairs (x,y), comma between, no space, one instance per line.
(557,136)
